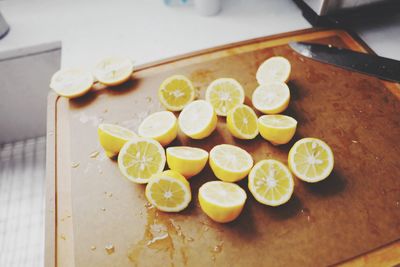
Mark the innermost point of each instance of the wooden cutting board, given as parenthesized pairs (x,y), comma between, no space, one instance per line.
(356,210)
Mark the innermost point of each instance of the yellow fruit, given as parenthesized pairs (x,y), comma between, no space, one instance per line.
(311,160)
(224,94)
(141,158)
(242,122)
(274,69)
(221,201)
(271,182)
(71,83)
(230,163)
(113,71)
(112,137)
(176,92)
(188,161)
(198,119)
(271,98)
(168,191)
(278,129)
(161,126)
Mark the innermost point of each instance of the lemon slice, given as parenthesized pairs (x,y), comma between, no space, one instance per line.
(112,137)
(278,129)
(271,182)
(176,92)
(113,71)
(71,83)
(221,201)
(242,122)
(230,163)
(224,94)
(311,160)
(161,126)
(271,98)
(188,161)
(168,191)
(141,158)
(198,119)
(274,69)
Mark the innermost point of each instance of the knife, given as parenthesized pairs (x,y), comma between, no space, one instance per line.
(384,68)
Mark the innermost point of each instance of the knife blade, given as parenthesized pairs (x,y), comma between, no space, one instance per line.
(384,68)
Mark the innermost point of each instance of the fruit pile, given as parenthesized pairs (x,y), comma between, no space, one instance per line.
(142,158)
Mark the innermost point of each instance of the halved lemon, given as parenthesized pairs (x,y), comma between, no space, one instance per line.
(271,182)
(242,122)
(168,191)
(113,71)
(176,92)
(274,69)
(271,98)
(224,94)
(230,163)
(222,201)
(141,158)
(112,137)
(188,161)
(71,83)
(278,129)
(311,160)
(161,126)
(198,119)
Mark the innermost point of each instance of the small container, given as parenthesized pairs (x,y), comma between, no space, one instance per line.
(208,7)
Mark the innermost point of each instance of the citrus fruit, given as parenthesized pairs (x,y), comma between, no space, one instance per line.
(311,160)
(141,158)
(230,163)
(176,92)
(188,161)
(198,119)
(71,83)
(271,182)
(222,201)
(224,94)
(168,191)
(161,126)
(112,137)
(278,129)
(113,71)
(274,69)
(271,98)
(242,122)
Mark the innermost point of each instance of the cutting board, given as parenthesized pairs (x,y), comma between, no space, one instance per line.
(95,217)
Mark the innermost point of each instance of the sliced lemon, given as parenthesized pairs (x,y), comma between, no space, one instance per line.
(71,83)
(188,161)
(230,163)
(224,94)
(271,98)
(161,126)
(278,129)
(274,69)
(112,137)
(198,119)
(271,182)
(113,71)
(221,201)
(168,191)
(242,122)
(176,92)
(141,158)
(311,160)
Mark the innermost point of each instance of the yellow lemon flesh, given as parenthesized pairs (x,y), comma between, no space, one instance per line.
(113,71)
(141,158)
(271,98)
(161,126)
(271,182)
(71,83)
(311,160)
(224,94)
(112,137)
(274,69)
(230,163)
(242,122)
(222,201)
(188,161)
(278,129)
(176,92)
(168,191)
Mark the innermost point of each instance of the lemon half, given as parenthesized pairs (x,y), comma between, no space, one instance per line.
(161,126)
(242,122)
(188,161)
(278,129)
(72,82)
(113,71)
(274,69)
(176,92)
(271,98)
(112,137)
